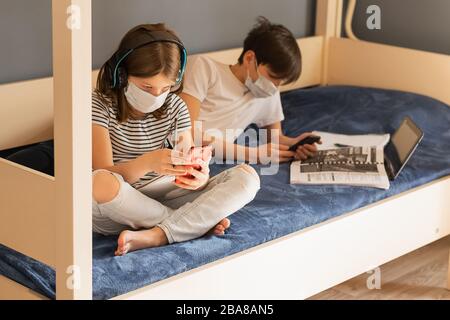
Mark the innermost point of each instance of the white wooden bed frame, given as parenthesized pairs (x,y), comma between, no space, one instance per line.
(49,218)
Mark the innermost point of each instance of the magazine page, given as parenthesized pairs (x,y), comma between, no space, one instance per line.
(358,166)
(158,187)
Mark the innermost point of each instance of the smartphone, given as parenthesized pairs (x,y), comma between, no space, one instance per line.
(307,140)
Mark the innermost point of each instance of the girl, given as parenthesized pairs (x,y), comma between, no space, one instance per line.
(137,117)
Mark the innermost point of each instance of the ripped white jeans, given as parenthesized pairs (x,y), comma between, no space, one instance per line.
(187,216)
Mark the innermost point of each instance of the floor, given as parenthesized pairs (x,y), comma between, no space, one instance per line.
(419,275)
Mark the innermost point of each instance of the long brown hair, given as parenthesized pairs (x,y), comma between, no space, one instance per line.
(147,61)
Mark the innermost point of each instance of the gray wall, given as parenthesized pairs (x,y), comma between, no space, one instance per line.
(203,25)
(417,24)
(25,39)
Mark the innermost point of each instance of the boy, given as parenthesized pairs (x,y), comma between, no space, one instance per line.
(225,97)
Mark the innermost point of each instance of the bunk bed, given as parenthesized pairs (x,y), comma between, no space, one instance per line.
(309,239)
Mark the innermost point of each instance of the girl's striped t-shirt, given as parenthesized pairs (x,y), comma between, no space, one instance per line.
(135,137)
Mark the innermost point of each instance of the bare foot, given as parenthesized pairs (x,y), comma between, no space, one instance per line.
(220,228)
(134,240)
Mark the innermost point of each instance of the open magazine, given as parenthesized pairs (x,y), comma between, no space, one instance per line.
(163,187)
(356,160)
(158,187)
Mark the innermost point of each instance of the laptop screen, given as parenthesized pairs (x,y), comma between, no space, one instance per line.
(403,143)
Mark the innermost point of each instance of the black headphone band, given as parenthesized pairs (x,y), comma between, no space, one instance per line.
(148,37)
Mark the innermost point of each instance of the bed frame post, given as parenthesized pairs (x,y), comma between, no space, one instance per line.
(328,24)
(448,272)
(72,68)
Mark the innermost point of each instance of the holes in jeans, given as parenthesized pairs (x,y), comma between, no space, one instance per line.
(112,186)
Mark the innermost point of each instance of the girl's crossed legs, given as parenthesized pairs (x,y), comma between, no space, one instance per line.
(182,215)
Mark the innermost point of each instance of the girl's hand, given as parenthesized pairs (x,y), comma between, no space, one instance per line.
(167,162)
(196,177)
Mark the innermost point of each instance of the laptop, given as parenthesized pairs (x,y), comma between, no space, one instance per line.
(401,146)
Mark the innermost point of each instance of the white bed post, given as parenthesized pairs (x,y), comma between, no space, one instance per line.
(328,24)
(448,272)
(72,69)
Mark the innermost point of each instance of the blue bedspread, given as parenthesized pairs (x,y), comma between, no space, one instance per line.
(279,208)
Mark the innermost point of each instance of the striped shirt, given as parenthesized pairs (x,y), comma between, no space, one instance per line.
(133,138)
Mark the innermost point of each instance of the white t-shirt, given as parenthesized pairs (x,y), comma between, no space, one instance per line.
(226,103)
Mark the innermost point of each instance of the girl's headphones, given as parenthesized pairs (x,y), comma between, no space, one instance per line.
(119,76)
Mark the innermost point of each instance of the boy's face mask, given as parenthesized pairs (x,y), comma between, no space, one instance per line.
(262,87)
(143,101)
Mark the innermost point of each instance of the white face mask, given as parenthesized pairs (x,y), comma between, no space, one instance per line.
(262,87)
(143,101)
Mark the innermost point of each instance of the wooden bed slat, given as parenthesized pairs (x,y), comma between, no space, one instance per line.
(311,48)
(27,113)
(375,65)
(312,52)
(27,211)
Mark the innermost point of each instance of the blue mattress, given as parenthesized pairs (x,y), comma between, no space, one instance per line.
(279,208)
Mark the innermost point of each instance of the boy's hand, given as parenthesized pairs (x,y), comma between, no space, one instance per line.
(274,153)
(307,150)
